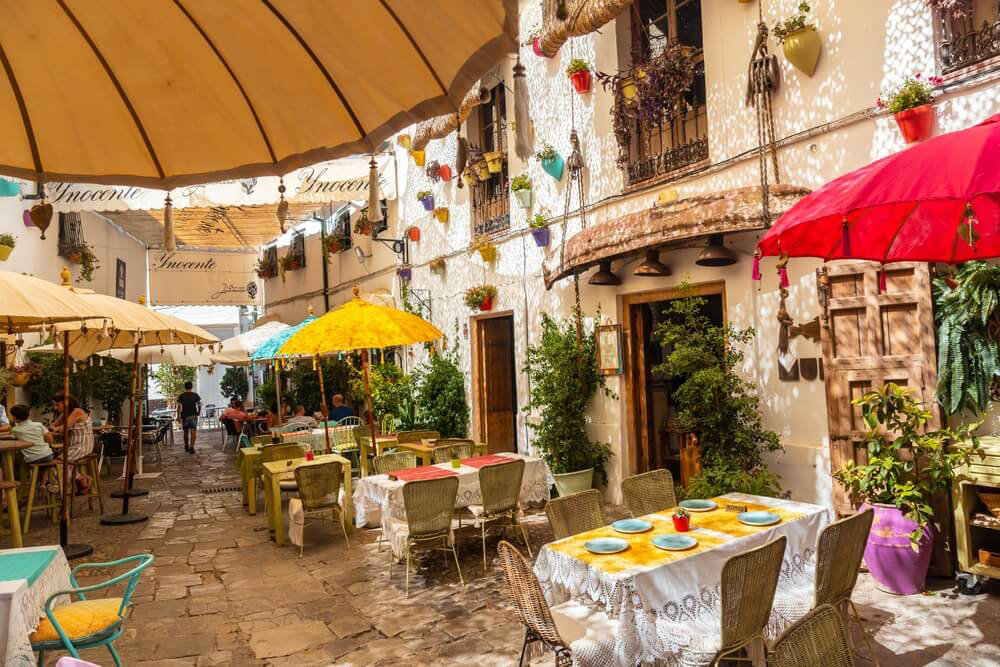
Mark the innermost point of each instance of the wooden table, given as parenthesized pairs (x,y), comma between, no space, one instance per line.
(275,470)
(424,450)
(8,448)
(381,443)
(27,578)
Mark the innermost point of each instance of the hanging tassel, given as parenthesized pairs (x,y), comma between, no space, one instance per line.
(282,211)
(522,119)
(755,271)
(374,204)
(881,280)
(461,158)
(782,271)
(169,243)
(845,239)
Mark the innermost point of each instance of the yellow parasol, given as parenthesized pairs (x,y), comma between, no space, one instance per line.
(359,325)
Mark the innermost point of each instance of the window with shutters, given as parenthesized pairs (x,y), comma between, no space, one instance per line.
(490,197)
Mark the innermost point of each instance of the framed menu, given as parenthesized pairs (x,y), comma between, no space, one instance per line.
(609,349)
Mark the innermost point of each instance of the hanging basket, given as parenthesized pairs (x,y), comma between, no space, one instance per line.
(20,379)
(554,167)
(581,81)
(9,188)
(494,161)
(428,202)
(482,170)
(541,236)
(418,158)
(488,252)
(437,266)
(403,140)
(404,273)
(536,47)
(523,197)
(413,233)
(915,124)
(5,251)
(444,173)
(486,304)
(802,49)
(469,176)
(441,213)
(628,90)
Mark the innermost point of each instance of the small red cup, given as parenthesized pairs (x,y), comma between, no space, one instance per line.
(310,456)
(682,524)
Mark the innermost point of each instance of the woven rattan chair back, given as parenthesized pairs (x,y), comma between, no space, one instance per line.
(818,638)
(446,449)
(342,437)
(749,580)
(319,484)
(430,506)
(387,463)
(500,486)
(272,453)
(649,492)
(416,436)
(526,594)
(839,551)
(575,513)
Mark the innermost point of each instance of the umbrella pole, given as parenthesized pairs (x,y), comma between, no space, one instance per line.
(277,386)
(369,408)
(323,408)
(71,550)
(127,517)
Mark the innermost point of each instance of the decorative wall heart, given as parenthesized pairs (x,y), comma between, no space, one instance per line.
(41,215)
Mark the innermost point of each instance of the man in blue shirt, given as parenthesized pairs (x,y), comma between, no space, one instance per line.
(340,410)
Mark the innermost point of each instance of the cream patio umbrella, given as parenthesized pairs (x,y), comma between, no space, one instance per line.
(166,93)
(236,351)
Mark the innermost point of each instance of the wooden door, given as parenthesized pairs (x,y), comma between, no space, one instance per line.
(497,399)
(871,337)
(638,382)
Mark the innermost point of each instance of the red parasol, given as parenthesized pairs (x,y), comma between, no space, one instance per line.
(938,201)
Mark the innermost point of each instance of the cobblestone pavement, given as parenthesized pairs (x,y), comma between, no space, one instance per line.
(220,593)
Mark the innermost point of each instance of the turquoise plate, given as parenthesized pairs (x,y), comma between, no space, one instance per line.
(698,505)
(605,545)
(631,526)
(759,518)
(673,542)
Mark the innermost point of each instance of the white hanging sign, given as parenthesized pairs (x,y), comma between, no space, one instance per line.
(185,278)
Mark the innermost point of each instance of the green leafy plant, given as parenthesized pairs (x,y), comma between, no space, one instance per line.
(680,513)
(794,23)
(520,182)
(713,400)
(49,382)
(303,382)
(912,93)
(546,153)
(8,240)
(266,267)
(423,193)
(564,379)
(475,296)
(110,382)
(441,404)
(267,394)
(577,65)
(968,356)
(906,463)
(6,377)
(393,393)
(169,380)
(83,254)
(234,383)
(539,221)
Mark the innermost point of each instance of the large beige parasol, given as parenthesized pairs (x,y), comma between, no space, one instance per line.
(165,93)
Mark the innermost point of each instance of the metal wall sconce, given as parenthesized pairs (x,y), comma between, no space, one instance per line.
(716,254)
(604,275)
(652,266)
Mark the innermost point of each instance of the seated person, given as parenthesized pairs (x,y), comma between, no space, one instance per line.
(34,432)
(301,417)
(235,413)
(4,422)
(339,410)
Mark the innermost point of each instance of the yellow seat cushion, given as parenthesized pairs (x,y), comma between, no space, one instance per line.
(79,619)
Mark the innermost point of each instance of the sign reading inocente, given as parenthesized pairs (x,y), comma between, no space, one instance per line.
(186,278)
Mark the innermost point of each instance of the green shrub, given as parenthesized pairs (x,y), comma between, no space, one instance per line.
(441,402)
(234,383)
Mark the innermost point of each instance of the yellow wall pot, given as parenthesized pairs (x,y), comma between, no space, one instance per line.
(482,170)
(802,49)
(628,89)
(488,253)
(441,213)
(5,251)
(418,158)
(469,176)
(494,161)
(403,140)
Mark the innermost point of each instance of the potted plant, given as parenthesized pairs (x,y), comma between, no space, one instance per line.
(486,249)
(403,140)
(418,158)
(564,378)
(363,225)
(404,272)
(23,373)
(83,254)
(579,75)
(911,106)
(441,213)
(521,186)
(480,297)
(433,170)
(494,161)
(426,197)
(469,176)
(682,520)
(266,268)
(437,265)
(413,233)
(799,40)
(444,172)
(536,45)
(551,161)
(907,465)
(7,244)
(334,244)
(482,169)
(540,230)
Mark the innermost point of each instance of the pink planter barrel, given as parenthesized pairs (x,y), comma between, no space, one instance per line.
(893,563)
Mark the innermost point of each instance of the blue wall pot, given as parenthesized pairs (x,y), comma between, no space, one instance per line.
(554,167)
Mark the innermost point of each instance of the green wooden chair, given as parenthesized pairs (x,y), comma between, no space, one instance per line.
(63,629)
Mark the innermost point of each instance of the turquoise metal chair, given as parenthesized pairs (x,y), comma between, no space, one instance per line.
(104,636)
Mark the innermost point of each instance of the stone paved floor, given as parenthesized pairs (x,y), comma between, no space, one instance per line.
(220,593)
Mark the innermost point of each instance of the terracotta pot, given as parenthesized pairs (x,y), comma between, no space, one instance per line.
(437,266)
(554,167)
(428,202)
(441,213)
(20,379)
(581,81)
(523,197)
(418,158)
(915,124)
(682,524)
(74,256)
(541,236)
(444,172)
(487,304)
(413,233)
(893,563)
(802,49)
(5,251)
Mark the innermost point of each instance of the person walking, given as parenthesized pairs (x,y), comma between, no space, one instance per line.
(188,411)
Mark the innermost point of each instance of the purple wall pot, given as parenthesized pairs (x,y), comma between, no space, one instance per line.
(893,563)
(541,236)
(428,202)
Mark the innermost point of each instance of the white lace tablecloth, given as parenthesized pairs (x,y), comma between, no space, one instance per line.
(669,614)
(21,606)
(377,499)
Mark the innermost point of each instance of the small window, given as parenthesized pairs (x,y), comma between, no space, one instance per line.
(297,248)
(487,131)
(969,36)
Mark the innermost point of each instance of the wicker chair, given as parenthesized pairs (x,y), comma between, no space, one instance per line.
(559,627)
(575,513)
(500,486)
(387,463)
(446,449)
(649,492)
(749,580)
(818,638)
(416,436)
(319,491)
(839,550)
(429,505)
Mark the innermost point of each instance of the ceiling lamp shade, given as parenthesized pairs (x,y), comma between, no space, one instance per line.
(604,276)
(716,254)
(652,266)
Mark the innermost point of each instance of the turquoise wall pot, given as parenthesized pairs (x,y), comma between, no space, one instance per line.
(554,167)
(9,189)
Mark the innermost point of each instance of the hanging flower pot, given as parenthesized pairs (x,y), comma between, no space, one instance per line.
(579,74)
(441,213)
(404,272)
(802,49)
(536,47)
(488,252)
(433,171)
(6,246)
(418,158)
(426,198)
(469,176)
(9,188)
(26,218)
(413,233)
(915,124)
(628,90)
(480,297)
(494,161)
(553,165)
(444,173)
(482,170)
(403,140)
(486,304)
(20,379)
(541,236)
(523,197)
(437,266)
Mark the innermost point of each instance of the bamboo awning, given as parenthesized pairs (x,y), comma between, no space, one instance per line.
(687,218)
